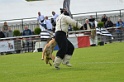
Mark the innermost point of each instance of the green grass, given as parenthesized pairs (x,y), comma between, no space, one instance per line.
(92,64)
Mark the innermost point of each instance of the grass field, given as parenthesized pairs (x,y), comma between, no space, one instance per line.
(92,64)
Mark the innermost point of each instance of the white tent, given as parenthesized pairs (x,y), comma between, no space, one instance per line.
(16,9)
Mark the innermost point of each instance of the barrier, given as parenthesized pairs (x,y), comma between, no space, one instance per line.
(20,43)
(6,46)
(31,43)
(80,39)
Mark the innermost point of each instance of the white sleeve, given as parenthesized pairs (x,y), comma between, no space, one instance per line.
(72,22)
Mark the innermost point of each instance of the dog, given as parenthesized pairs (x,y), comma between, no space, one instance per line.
(47,52)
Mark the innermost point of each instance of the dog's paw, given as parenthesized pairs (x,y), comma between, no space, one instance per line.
(42,59)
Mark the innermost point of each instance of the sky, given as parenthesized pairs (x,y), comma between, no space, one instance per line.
(16,9)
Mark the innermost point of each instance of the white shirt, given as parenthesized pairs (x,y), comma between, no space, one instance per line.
(40,18)
(88,27)
(96,23)
(48,24)
(55,16)
(63,22)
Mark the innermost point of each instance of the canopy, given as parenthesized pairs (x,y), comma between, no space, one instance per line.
(16,9)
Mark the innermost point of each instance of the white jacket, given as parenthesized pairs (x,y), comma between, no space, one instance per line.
(63,22)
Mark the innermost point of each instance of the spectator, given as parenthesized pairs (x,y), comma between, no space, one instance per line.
(26,41)
(40,21)
(120,27)
(2,34)
(92,21)
(48,24)
(27,31)
(10,32)
(5,29)
(54,15)
(53,19)
(108,23)
(87,25)
(120,23)
(92,33)
(104,19)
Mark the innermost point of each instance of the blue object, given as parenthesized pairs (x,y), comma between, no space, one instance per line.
(56,47)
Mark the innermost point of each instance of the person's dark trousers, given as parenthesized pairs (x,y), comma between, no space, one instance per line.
(44,25)
(50,30)
(65,46)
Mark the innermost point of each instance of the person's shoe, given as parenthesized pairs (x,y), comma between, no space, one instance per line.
(66,60)
(57,68)
(67,64)
(57,62)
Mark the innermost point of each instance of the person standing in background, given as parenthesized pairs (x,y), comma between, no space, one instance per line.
(54,15)
(5,29)
(108,23)
(87,25)
(119,29)
(104,19)
(90,27)
(2,34)
(53,20)
(40,21)
(26,41)
(92,21)
(27,31)
(48,24)
(10,32)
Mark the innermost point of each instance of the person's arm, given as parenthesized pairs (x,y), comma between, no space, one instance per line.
(123,24)
(72,22)
(3,28)
(2,34)
(38,21)
(30,32)
(90,26)
(106,24)
(112,24)
(23,33)
(117,24)
(85,26)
